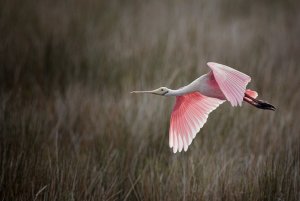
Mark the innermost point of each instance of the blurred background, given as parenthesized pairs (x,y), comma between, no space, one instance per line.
(70,129)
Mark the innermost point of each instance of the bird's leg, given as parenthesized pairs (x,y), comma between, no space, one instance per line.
(258,103)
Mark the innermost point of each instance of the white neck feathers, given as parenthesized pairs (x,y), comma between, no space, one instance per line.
(181,91)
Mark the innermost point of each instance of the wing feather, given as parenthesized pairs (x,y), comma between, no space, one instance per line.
(231,82)
(188,116)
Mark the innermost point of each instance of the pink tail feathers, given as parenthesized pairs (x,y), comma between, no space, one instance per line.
(251,93)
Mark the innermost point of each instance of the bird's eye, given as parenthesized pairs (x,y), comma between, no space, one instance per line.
(162,89)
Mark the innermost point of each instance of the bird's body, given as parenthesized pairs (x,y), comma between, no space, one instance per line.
(206,85)
(196,100)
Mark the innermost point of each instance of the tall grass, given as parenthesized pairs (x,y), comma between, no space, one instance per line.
(70,130)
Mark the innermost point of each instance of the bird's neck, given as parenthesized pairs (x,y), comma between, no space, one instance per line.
(181,91)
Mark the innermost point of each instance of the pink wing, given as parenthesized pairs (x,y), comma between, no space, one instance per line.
(188,117)
(231,82)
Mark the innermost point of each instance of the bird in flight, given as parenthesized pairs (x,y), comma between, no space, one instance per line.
(196,100)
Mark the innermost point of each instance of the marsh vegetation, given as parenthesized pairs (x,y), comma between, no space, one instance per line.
(70,129)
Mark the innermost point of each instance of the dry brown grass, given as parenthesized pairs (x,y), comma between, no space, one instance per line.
(70,130)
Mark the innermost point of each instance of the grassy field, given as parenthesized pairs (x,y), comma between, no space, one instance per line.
(70,129)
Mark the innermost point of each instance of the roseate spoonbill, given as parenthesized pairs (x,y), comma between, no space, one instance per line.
(196,100)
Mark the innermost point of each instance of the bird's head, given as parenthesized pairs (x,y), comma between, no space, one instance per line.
(162,91)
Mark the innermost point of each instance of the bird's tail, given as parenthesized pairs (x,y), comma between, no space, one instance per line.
(250,97)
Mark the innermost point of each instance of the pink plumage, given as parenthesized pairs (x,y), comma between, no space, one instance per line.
(189,114)
(231,82)
(196,100)
(251,93)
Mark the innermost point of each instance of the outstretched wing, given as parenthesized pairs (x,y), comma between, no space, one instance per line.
(231,82)
(188,117)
